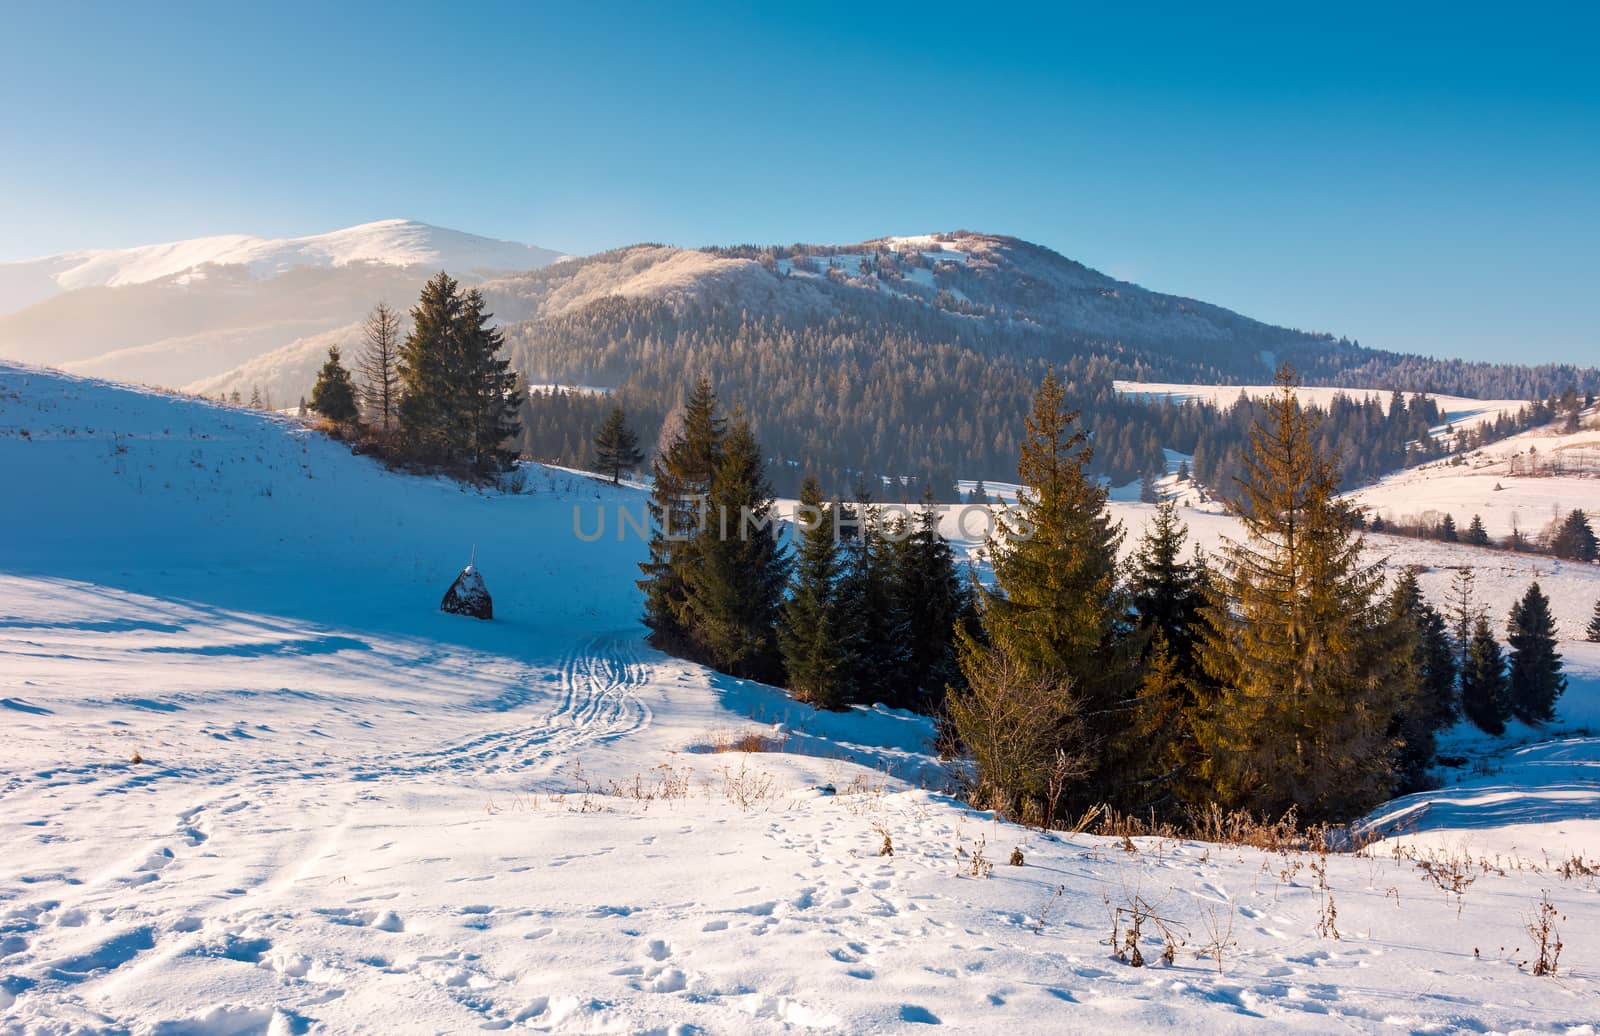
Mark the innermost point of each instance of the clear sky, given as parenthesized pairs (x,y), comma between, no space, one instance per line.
(1419,178)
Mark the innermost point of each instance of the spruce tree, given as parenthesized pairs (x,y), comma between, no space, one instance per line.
(1575,540)
(1311,669)
(1485,692)
(1463,612)
(1433,663)
(379,365)
(616,446)
(334,395)
(1536,680)
(678,509)
(1056,609)
(734,590)
(431,377)
(1477,535)
(1167,593)
(979,494)
(1447,529)
(931,596)
(489,393)
(809,633)
(872,628)
(1594,624)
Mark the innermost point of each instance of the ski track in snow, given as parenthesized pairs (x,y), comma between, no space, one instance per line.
(597,704)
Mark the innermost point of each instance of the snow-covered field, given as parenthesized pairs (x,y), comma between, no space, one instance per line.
(255,782)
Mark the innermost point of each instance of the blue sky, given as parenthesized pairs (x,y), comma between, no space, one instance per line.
(1425,181)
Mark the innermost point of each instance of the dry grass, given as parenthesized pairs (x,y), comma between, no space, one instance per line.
(723,741)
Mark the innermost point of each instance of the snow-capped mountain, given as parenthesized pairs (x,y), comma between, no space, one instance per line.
(183,312)
(388,242)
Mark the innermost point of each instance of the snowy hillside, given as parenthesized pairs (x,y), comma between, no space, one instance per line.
(1523,482)
(256,783)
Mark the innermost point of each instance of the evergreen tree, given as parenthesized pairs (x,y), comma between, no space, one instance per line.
(979,494)
(616,445)
(1536,680)
(1477,535)
(334,395)
(1056,609)
(1594,624)
(1575,540)
(809,634)
(678,509)
(431,372)
(1311,669)
(1447,529)
(1167,593)
(931,596)
(489,390)
(734,590)
(1463,612)
(379,365)
(1485,692)
(1433,664)
(872,627)
(1148,493)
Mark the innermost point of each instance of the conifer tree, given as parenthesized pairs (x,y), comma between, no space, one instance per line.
(1594,624)
(809,634)
(1447,529)
(734,590)
(931,596)
(1433,663)
(1311,669)
(979,494)
(678,507)
(1485,692)
(379,365)
(1463,611)
(489,388)
(1477,535)
(334,395)
(872,627)
(1575,540)
(1148,493)
(616,445)
(1167,593)
(1536,680)
(431,376)
(1056,610)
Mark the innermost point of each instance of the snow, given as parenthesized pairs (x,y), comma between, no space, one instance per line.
(391,242)
(1460,411)
(1510,483)
(353,813)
